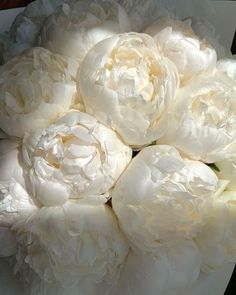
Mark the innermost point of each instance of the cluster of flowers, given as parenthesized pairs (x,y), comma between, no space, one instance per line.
(78,213)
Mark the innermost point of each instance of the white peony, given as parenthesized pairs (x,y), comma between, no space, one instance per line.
(127,85)
(177,41)
(26,26)
(78,246)
(201,123)
(77,157)
(217,240)
(162,196)
(170,270)
(15,201)
(35,89)
(78,25)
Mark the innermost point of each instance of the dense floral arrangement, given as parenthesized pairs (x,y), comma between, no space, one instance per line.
(118,151)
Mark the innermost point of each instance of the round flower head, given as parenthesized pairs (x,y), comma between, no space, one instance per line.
(77,157)
(35,89)
(26,26)
(77,245)
(128,86)
(15,201)
(217,240)
(78,25)
(176,40)
(171,269)
(202,120)
(161,196)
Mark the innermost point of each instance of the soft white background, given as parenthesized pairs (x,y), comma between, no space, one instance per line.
(214,284)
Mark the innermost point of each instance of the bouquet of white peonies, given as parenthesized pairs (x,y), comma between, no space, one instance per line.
(118,150)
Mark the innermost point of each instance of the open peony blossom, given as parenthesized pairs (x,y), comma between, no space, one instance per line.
(128,86)
(217,240)
(172,268)
(35,89)
(162,196)
(78,25)
(15,201)
(201,123)
(177,41)
(25,28)
(76,157)
(79,246)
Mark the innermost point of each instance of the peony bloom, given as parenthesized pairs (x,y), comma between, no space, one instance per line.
(217,240)
(35,89)
(177,41)
(77,246)
(127,85)
(201,123)
(162,196)
(171,269)
(78,25)
(77,157)
(15,201)
(25,28)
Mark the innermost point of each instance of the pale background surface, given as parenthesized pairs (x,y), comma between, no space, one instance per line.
(213,284)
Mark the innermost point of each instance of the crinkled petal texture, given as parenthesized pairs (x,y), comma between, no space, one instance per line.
(26,26)
(203,118)
(217,240)
(127,85)
(35,89)
(162,196)
(78,25)
(78,246)
(167,272)
(77,157)
(15,201)
(176,40)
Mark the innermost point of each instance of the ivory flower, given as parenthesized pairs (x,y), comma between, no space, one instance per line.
(171,269)
(162,196)
(78,246)
(217,240)
(26,26)
(35,89)
(15,201)
(78,25)
(128,86)
(201,123)
(177,41)
(77,157)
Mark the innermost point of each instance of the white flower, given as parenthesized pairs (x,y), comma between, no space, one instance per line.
(217,240)
(15,201)
(77,157)
(78,25)
(128,86)
(173,268)
(227,66)
(77,246)
(161,196)
(176,40)
(201,123)
(26,26)
(35,89)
